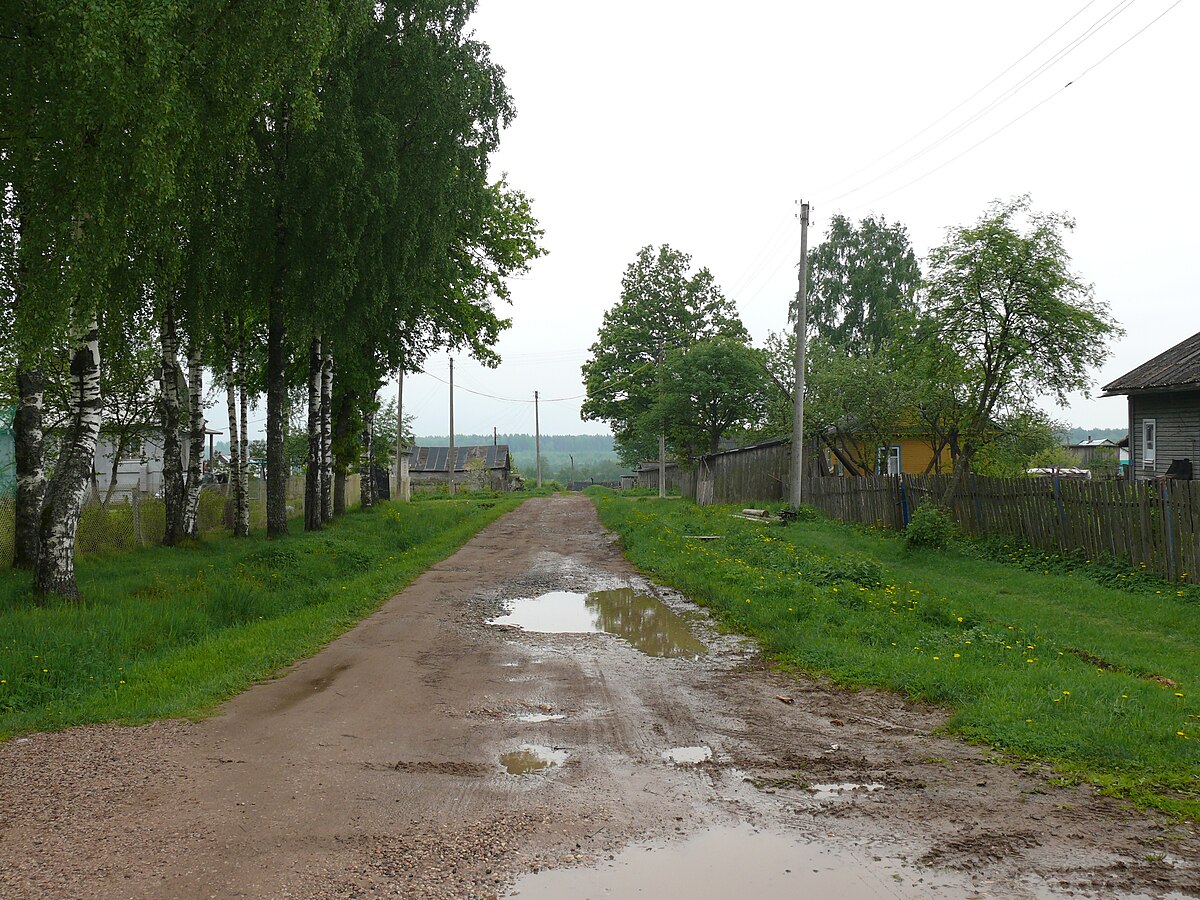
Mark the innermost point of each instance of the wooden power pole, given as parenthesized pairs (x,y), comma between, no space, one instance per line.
(801,339)
(451,456)
(537,437)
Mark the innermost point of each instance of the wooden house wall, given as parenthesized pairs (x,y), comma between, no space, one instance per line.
(1177,422)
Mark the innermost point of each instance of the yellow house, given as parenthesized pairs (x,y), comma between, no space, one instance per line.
(901,456)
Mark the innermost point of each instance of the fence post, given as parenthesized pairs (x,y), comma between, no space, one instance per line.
(905,515)
(975,505)
(1169,520)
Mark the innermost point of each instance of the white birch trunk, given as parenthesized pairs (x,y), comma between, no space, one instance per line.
(314,507)
(366,466)
(195,473)
(169,374)
(242,521)
(55,571)
(327,438)
(31,467)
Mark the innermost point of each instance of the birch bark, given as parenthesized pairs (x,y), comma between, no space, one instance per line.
(327,438)
(313,504)
(173,487)
(31,466)
(55,570)
(195,472)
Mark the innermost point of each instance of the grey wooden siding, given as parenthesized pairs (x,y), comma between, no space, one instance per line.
(1177,421)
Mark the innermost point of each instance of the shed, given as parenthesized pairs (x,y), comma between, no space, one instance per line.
(489,465)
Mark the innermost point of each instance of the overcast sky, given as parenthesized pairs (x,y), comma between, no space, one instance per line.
(700,124)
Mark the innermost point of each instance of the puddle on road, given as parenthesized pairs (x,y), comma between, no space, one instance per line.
(645,622)
(740,862)
(830,791)
(530,758)
(540,717)
(687,756)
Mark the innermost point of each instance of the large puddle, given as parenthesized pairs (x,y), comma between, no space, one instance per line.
(739,862)
(530,758)
(645,622)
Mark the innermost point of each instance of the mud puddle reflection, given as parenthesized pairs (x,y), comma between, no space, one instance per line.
(739,862)
(645,622)
(530,758)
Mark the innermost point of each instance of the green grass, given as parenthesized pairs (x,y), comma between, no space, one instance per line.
(174,631)
(1099,680)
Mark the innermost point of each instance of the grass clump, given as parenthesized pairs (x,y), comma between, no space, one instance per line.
(1099,681)
(174,631)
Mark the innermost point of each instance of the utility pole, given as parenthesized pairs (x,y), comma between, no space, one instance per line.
(537,437)
(398,494)
(572,455)
(801,340)
(662,438)
(451,456)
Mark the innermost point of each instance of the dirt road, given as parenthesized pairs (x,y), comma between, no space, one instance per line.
(378,768)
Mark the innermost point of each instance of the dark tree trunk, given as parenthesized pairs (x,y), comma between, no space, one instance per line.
(327,438)
(236,484)
(342,453)
(55,570)
(173,487)
(366,466)
(30,463)
(118,455)
(191,510)
(313,504)
(277,474)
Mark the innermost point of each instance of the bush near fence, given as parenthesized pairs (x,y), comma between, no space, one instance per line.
(140,520)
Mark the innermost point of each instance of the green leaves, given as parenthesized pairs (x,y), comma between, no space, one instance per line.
(663,307)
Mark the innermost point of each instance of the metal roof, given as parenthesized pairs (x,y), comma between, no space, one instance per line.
(434,459)
(1177,368)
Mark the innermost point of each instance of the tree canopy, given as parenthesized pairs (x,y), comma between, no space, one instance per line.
(664,306)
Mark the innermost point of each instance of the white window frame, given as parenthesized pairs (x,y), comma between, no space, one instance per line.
(1149,443)
(883,460)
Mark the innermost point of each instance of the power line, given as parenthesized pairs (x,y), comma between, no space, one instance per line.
(962,103)
(1013,121)
(1002,98)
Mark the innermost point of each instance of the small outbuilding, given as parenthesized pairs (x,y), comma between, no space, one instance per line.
(1164,412)
(474,467)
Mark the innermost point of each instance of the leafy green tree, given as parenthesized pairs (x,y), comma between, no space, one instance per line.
(1028,435)
(863,281)
(1003,301)
(663,306)
(707,390)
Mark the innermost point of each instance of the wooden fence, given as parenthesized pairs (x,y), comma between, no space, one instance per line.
(1148,523)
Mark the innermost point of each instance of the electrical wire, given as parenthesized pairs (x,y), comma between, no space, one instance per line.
(1018,118)
(1003,98)
(957,107)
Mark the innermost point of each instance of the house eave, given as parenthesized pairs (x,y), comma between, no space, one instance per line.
(1156,389)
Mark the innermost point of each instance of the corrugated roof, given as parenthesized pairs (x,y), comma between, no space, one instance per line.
(1177,367)
(434,459)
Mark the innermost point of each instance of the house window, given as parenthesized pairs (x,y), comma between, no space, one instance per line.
(887,461)
(1149,442)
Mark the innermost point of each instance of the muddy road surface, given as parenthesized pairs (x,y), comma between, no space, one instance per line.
(457,744)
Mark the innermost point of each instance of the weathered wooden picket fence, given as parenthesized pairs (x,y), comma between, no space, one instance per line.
(1155,524)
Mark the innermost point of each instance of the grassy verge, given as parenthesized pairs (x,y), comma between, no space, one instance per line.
(1099,680)
(174,631)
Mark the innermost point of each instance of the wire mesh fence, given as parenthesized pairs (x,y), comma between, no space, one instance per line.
(139,519)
